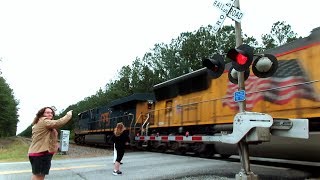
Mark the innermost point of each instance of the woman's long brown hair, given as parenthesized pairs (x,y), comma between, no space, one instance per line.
(119,129)
(40,114)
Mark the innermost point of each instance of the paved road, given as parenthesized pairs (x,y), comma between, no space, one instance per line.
(143,166)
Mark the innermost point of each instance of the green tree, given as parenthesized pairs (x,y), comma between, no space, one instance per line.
(142,78)
(184,54)
(8,110)
(27,132)
(281,33)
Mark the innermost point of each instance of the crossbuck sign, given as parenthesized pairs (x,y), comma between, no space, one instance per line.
(227,9)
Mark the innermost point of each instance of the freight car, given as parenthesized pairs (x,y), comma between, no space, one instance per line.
(196,104)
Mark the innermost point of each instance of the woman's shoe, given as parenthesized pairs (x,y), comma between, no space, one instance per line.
(116,173)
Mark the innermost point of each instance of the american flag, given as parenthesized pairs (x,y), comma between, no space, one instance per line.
(288,82)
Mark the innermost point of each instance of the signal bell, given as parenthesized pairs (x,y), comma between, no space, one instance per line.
(241,57)
(215,65)
(265,65)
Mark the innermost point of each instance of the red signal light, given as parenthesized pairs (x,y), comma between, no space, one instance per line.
(241,59)
(215,68)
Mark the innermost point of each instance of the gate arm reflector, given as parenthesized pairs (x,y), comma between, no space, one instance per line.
(293,128)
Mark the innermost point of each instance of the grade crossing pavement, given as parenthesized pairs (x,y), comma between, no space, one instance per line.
(143,166)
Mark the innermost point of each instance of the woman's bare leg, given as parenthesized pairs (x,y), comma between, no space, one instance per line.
(117,166)
(37,177)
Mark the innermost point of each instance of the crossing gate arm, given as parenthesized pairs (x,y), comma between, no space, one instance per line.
(245,123)
(179,138)
(293,128)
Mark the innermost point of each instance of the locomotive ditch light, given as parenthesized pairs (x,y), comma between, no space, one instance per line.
(233,75)
(214,65)
(241,57)
(265,65)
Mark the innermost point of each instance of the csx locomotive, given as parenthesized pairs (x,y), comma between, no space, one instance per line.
(197,104)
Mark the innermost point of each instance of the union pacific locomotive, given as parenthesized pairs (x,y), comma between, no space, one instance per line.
(196,104)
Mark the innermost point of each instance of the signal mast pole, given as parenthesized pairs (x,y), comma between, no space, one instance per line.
(243,147)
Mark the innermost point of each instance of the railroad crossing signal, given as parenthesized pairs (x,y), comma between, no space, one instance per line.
(242,57)
(227,9)
(215,65)
(233,75)
(247,126)
(263,66)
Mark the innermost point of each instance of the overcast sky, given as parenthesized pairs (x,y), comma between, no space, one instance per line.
(59,52)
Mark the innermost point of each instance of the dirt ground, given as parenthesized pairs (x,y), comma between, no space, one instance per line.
(76,151)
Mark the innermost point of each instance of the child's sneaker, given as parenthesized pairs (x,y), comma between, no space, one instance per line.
(116,173)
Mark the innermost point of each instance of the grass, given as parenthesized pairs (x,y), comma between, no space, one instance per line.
(15,149)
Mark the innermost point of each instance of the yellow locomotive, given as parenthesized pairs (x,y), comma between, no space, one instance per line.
(197,104)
